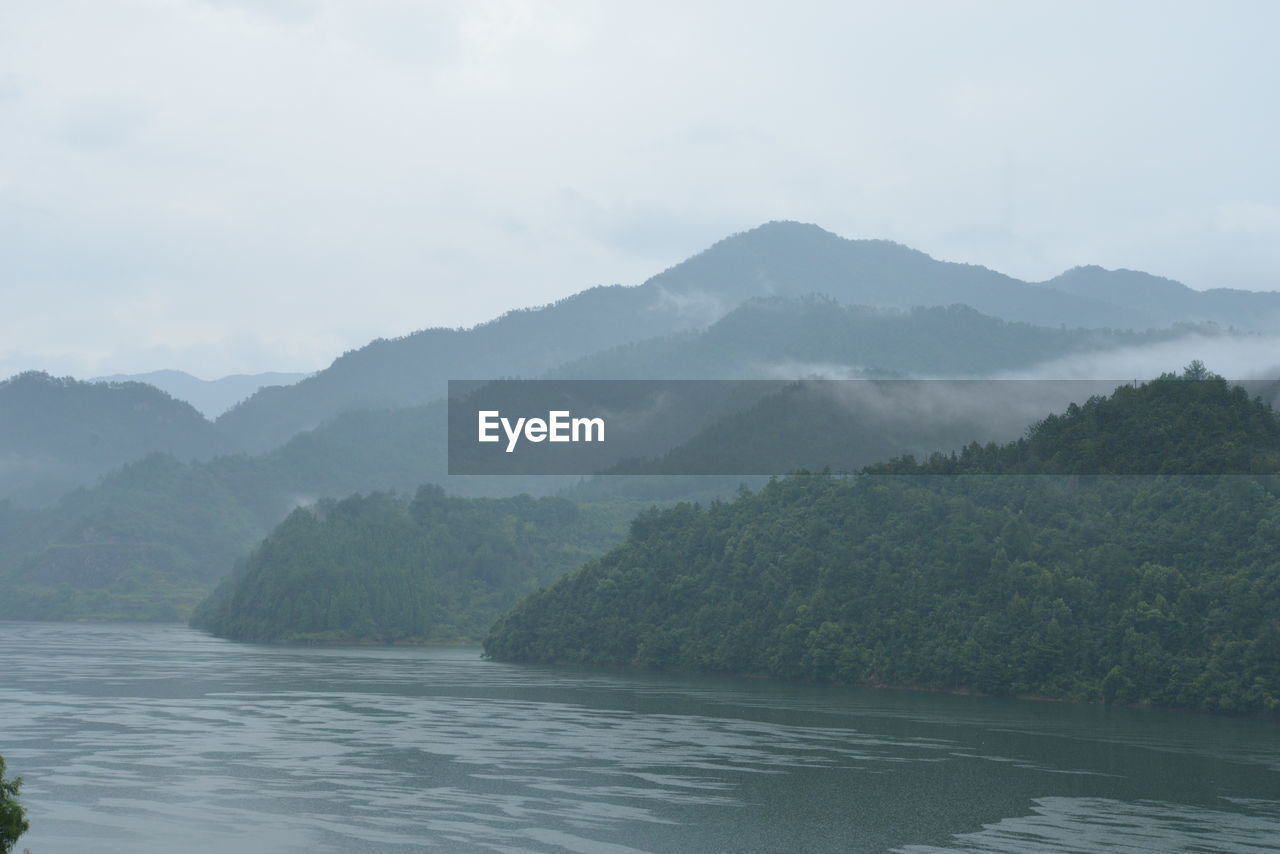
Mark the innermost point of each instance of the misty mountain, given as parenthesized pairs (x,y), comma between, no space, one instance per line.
(1164,302)
(145,506)
(1196,423)
(57,433)
(399,449)
(386,569)
(210,397)
(147,543)
(741,308)
(1205,427)
(415,369)
(813,335)
(794,259)
(779,259)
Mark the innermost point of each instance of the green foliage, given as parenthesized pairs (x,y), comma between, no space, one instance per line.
(1196,423)
(150,540)
(1138,589)
(13,822)
(1162,590)
(385,569)
(147,545)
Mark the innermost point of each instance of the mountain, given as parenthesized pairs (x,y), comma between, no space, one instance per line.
(147,543)
(1163,302)
(145,510)
(57,433)
(795,337)
(210,397)
(385,569)
(415,369)
(1160,590)
(779,259)
(151,540)
(794,259)
(399,449)
(1164,426)
(1193,424)
(373,420)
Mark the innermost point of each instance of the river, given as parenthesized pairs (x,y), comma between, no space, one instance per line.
(157,738)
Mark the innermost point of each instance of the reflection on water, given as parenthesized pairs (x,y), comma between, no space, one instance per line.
(148,738)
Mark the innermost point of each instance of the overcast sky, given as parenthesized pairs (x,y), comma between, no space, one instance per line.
(232,186)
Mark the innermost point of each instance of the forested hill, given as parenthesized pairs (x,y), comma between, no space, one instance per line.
(1124,589)
(149,540)
(385,569)
(1196,423)
(56,433)
(1168,425)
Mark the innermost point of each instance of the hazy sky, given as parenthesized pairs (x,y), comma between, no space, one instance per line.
(230,185)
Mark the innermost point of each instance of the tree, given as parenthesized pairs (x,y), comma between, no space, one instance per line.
(1195,371)
(13,822)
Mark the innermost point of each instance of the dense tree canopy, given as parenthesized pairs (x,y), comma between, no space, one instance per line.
(1196,423)
(1161,589)
(386,569)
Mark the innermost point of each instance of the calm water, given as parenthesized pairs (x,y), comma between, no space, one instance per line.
(156,739)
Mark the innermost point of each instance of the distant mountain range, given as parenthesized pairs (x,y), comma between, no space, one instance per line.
(1154,301)
(779,259)
(782,300)
(210,397)
(255,413)
(796,337)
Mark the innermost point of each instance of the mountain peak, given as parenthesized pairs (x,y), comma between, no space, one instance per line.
(1100,283)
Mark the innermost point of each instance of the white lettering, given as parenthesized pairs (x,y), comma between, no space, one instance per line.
(512,434)
(487,423)
(558,426)
(559,421)
(587,425)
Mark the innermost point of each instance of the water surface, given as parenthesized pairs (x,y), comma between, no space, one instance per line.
(144,738)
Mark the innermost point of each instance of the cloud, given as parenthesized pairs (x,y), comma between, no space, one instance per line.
(1236,357)
(298,175)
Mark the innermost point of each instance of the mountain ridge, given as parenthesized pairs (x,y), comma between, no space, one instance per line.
(210,397)
(779,258)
